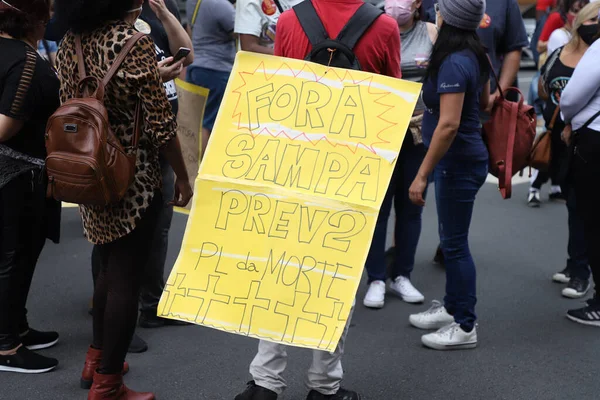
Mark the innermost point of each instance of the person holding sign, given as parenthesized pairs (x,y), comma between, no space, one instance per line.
(456,89)
(417,38)
(377,51)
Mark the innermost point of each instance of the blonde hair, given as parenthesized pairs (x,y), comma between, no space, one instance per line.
(587,13)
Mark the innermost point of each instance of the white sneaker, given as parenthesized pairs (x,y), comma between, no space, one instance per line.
(405,289)
(375,297)
(451,337)
(434,318)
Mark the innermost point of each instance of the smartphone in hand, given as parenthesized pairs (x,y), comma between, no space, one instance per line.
(181,54)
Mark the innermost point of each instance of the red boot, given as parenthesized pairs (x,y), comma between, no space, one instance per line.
(92,362)
(111,387)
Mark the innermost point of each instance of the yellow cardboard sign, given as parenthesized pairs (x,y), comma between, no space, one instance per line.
(286,200)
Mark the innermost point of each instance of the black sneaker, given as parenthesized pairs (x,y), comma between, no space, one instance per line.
(342,394)
(150,320)
(439,257)
(563,276)
(36,340)
(255,392)
(27,362)
(137,345)
(577,288)
(558,196)
(589,315)
(533,200)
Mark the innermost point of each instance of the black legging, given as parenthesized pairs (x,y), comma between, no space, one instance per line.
(117,287)
(22,238)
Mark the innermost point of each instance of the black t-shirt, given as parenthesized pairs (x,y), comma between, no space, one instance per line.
(161,41)
(557,78)
(28,92)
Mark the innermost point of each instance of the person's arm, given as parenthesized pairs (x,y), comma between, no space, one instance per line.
(252,43)
(510,68)
(432,31)
(452,84)
(177,35)
(248,25)
(392,53)
(16,99)
(583,85)
(451,105)
(159,121)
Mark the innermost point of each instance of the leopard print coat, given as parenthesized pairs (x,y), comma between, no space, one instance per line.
(137,78)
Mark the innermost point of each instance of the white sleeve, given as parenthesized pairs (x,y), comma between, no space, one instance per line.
(559,38)
(248,17)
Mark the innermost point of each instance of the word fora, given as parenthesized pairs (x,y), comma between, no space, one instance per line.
(287,165)
(276,219)
(305,109)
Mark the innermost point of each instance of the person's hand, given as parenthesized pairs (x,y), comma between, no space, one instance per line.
(183,193)
(169,72)
(160,9)
(416,191)
(566,134)
(491,101)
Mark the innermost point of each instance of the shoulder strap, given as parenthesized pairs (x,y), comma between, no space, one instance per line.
(121,57)
(360,22)
(310,22)
(278,4)
(195,15)
(80,60)
(589,122)
(493,71)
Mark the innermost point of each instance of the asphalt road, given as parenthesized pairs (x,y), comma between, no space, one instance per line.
(527,348)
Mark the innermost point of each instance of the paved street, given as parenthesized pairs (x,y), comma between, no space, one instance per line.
(527,348)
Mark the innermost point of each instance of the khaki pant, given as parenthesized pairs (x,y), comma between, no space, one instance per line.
(324,375)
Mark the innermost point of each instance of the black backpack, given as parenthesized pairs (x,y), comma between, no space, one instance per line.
(338,52)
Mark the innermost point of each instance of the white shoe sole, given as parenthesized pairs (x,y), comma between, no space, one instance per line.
(560,279)
(438,346)
(408,299)
(572,294)
(580,321)
(373,304)
(428,326)
(25,371)
(42,346)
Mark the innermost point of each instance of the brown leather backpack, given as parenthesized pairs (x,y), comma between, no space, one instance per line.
(509,136)
(86,163)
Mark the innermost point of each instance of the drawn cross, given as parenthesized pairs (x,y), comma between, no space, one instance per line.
(330,324)
(172,291)
(207,296)
(294,313)
(251,302)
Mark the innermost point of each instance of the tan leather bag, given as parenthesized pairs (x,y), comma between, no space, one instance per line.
(86,163)
(541,153)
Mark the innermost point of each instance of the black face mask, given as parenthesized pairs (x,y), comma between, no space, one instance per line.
(588,33)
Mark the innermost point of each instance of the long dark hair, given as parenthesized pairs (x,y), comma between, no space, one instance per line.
(452,40)
(86,15)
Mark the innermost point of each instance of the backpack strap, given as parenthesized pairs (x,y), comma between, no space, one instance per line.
(356,27)
(278,4)
(121,57)
(310,22)
(80,60)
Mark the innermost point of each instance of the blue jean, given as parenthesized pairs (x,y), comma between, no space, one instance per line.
(408,217)
(456,185)
(534,99)
(578,260)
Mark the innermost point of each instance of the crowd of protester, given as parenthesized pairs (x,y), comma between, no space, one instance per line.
(452,46)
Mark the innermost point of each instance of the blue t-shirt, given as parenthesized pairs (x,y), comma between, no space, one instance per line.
(502,31)
(459,73)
